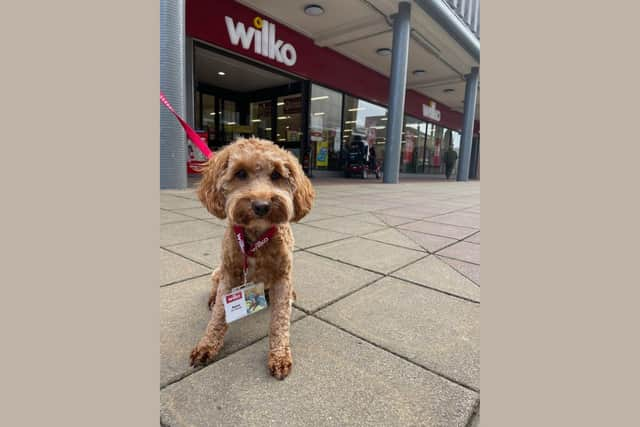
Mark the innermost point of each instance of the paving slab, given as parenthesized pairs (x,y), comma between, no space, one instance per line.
(391,219)
(173,202)
(463,251)
(347,226)
(182,232)
(393,237)
(208,251)
(337,380)
(368,217)
(174,268)
(183,319)
(379,257)
(434,330)
(403,212)
(319,281)
(428,242)
(474,239)
(437,274)
(306,236)
(464,219)
(438,229)
(332,210)
(472,271)
(169,216)
(199,212)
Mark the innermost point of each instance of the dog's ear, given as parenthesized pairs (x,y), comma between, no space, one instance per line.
(303,192)
(210,191)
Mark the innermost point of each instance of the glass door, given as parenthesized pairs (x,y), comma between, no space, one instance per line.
(289,122)
(261,119)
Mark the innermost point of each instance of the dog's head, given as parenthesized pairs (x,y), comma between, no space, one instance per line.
(255,182)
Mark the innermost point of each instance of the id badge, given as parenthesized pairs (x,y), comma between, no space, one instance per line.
(243,301)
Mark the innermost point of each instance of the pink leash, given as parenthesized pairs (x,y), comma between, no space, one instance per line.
(191,134)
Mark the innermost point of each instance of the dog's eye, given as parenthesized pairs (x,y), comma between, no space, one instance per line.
(241,174)
(275,175)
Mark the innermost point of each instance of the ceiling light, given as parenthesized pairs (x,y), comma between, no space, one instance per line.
(283,117)
(267,128)
(419,72)
(231,123)
(280,103)
(355,109)
(256,120)
(349,122)
(448,90)
(384,119)
(313,10)
(212,114)
(221,73)
(384,51)
(317,98)
(319,114)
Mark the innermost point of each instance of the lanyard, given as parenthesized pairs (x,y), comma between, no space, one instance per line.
(251,250)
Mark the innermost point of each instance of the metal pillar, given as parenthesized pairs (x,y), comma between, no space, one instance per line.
(470,94)
(397,89)
(173,146)
(189,83)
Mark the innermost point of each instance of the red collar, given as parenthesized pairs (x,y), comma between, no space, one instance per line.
(262,240)
(251,251)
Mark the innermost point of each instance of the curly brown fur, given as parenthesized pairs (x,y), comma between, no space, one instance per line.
(244,172)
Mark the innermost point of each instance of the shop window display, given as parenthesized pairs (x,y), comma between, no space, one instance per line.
(364,120)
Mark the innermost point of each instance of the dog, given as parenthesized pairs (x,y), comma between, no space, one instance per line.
(260,188)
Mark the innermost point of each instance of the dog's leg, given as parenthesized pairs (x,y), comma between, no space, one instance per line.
(215,281)
(280,359)
(211,343)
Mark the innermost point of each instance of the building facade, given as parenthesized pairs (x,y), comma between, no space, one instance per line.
(246,72)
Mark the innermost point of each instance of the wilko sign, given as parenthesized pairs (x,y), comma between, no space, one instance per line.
(430,111)
(263,37)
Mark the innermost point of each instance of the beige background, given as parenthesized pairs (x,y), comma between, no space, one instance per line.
(79,171)
(80,177)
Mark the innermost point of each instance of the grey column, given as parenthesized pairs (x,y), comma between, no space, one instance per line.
(470,94)
(397,89)
(189,83)
(173,147)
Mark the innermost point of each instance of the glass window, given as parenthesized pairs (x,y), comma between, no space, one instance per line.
(364,121)
(289,122)
(412,158)
(324,128)
(197,112)
(260,113)
(208,116)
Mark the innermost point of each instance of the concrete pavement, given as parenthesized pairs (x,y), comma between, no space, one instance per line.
(385,329)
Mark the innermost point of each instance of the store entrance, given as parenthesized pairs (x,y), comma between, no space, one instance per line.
(234,98)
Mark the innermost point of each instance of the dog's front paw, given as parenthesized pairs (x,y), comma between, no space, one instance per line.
(203,353)
(212,300)
(280,362)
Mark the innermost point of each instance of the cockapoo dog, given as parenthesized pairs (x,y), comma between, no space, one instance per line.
(260,188)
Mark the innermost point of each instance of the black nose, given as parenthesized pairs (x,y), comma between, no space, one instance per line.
(260,207)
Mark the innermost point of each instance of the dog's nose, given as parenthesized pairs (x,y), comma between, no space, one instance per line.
(260,207)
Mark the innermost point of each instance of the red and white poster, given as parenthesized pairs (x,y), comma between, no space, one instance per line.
(196,157)
(436,153)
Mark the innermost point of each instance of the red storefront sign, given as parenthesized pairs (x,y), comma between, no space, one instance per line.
(244,33)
